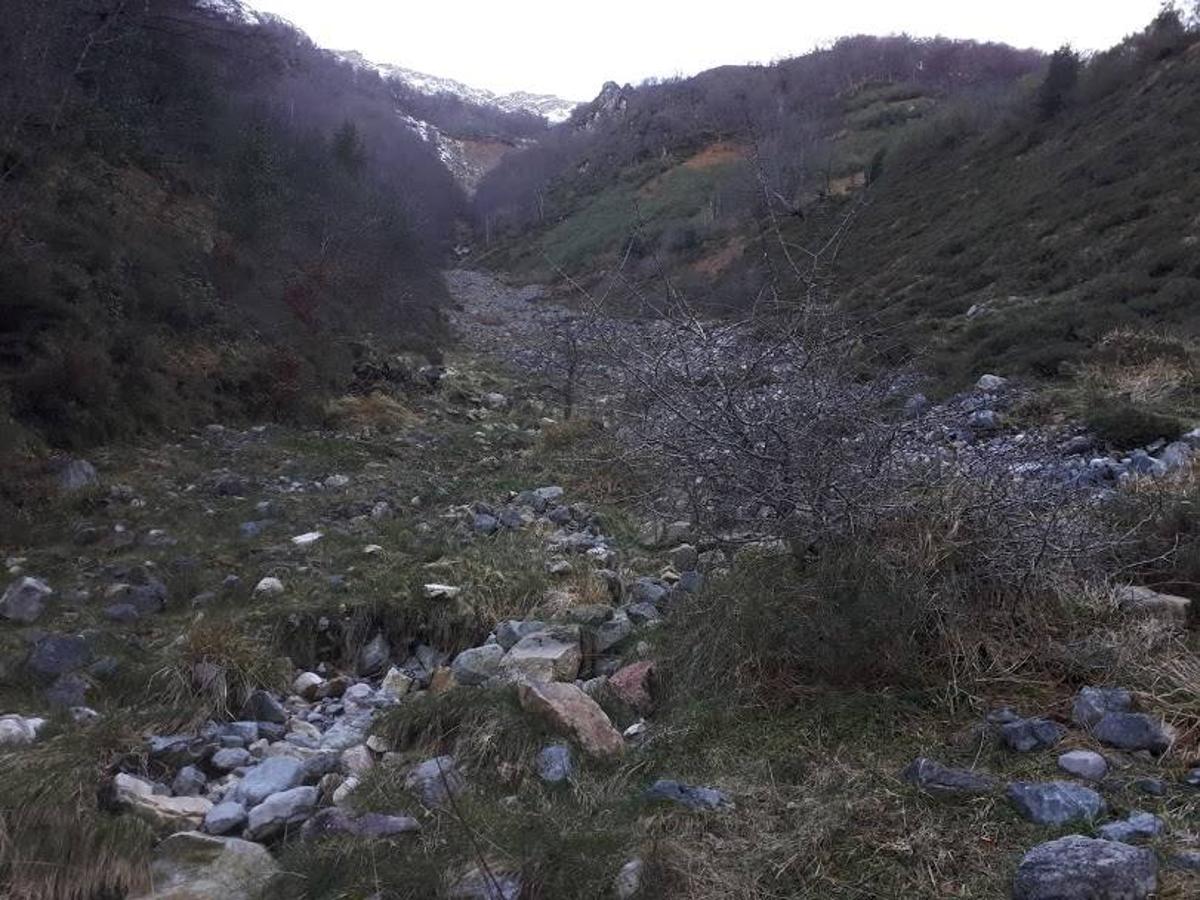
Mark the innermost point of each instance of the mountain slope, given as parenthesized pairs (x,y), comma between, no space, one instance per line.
(203,213)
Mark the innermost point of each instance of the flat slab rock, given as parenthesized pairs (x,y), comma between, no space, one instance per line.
(934,778)
(1055,802)
(1080,868)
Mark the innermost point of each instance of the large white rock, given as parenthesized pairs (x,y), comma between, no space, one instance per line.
(163,813)
(16,731)
(194,866)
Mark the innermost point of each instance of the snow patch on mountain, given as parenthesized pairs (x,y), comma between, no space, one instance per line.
(553,109)
(235,10)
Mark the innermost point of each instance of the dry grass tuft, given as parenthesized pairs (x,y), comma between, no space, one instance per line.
(373,413)
(55,844)
(217,665)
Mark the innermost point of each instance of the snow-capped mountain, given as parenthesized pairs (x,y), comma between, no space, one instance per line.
(553,109)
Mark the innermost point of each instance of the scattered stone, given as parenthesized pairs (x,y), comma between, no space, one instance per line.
(574,713)
(477,665)
(550,655)
(189,782)
(633,685)
(271,776)
(307,539)
(984,420)
(1084,764)
(1055,802)
(1156,787)
(225,817)
(161,812)
(694,798)
(485,524)
(1166,607)
(334,822)
(609,634)
(1080,868)
(24,600)
(509,632)
(307,684)
(58,654)
(77,475)
(1091,704)
(493,400)
(1136,825)
(395,683)
(194,866)
(261,706)
(628,882)
(934,778)
(334,482)
(1025,735)
(684,558)
(435,781)
(1132,732)
(357,760)
(442,591)
(268,587)
(374,655)
(554,763)
(990,383)
(18,731)
(280,810)
(229,758)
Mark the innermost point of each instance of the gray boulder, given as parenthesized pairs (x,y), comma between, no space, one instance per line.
(278,811)
(1025,735)
(194,866)
(229,758)
(374,655)
(554,763)
(189,782)
(509,632)
(262,707)
(1132,731)
(648,590)
(1091,704)
(1084,764)
(225,817)
(77,475)
(485,524)
(611,633)
(934,778)
(24,600)
(1080,868)
(271,776)
(694,798)
(1055,802)
(477,665)
(1136,825)
(58,654)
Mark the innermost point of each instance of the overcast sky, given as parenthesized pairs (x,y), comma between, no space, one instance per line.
(571,48)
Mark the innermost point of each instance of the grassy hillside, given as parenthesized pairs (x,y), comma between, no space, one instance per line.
(995,227)
(1017,247)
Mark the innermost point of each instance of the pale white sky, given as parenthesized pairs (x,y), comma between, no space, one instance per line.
(571,49)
